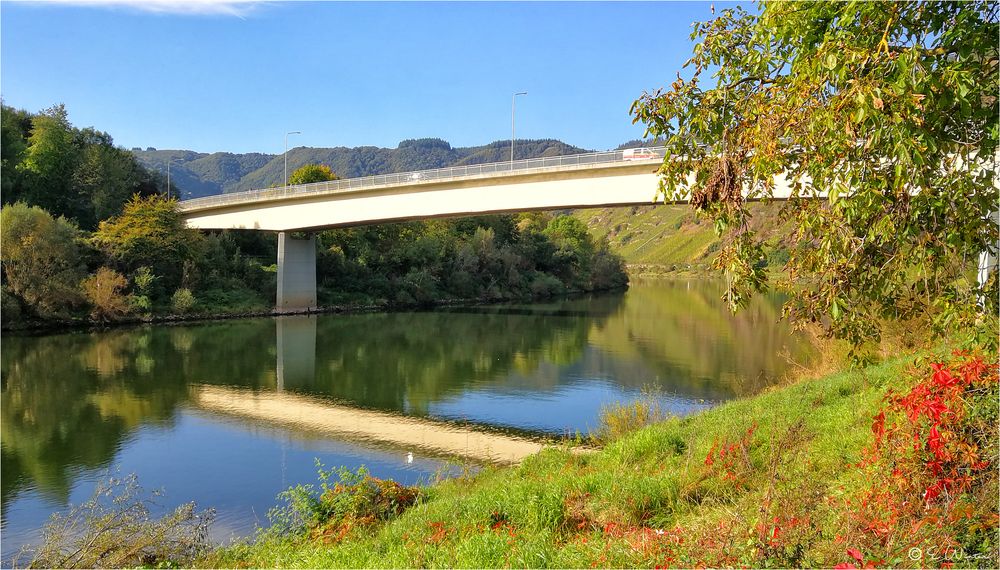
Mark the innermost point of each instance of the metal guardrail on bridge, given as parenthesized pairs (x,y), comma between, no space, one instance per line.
(417,177)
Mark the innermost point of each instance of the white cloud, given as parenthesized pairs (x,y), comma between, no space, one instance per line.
(238,8)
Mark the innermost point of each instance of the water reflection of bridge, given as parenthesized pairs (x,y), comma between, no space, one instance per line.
(316,415)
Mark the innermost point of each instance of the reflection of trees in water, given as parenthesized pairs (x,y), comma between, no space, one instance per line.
(235,352)
(69,400)
(52,412)
(405,361)
(683,332)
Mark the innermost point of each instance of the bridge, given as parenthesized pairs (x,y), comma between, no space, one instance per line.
(592,180)
(560,182)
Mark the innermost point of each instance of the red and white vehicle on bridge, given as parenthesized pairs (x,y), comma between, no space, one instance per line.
(638,154)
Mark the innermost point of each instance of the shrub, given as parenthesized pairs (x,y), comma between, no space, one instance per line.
(183,301)
(233,301)
(618,419)
(330,513)
(113,529)
(140,304)
(41,259)
(144,280)
(104,291)
(932,469)
(778,257)
(142,300)
(462,284)
(420,285)
(607,269)
(545,285)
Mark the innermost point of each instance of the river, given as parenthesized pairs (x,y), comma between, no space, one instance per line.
(229,413)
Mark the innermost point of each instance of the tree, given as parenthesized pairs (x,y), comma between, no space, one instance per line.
(574,248)
(106,176)
(149,232)
(77,173)
(888,108)
(104,290)
(48,165)
(310,173)
(571,232)
(15,125)
(41,259)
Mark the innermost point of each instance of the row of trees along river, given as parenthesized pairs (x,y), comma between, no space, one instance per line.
(89,234)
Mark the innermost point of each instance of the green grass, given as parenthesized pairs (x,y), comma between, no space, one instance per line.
(559,509)
(230,301)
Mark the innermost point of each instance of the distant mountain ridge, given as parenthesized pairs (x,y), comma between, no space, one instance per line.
(202,174)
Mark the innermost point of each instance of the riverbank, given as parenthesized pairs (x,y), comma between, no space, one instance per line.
(791,477)
(129,396)
(227,313)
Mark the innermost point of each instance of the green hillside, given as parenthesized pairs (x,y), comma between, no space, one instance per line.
(200,174)
(671,238)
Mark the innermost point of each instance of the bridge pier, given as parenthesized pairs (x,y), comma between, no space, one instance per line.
(296,272)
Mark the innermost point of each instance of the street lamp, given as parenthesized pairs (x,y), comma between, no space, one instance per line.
(169,160)
(286,154)
(512,97)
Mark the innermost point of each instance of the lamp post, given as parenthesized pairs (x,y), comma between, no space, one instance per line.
(169,160)
(286,154)
(512,98)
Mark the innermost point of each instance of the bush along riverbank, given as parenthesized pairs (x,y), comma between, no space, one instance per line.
(145,265)
(891,465)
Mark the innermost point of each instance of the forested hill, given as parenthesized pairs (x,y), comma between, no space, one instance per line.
(199,174)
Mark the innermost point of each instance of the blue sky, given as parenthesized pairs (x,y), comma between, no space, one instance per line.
(235,77)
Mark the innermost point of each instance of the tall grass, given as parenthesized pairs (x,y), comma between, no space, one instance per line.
(619,419)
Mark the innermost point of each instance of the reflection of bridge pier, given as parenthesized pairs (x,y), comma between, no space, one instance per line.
(296,350)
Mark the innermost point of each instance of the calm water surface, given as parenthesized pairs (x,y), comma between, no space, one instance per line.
(230,413)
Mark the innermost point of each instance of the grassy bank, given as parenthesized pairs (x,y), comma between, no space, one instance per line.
(674,239)
(771,480)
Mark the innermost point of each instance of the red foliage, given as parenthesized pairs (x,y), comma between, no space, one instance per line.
(925,473)
(732,456)
(438,534)
(926,458)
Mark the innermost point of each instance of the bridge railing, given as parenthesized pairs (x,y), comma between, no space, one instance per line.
(416,177)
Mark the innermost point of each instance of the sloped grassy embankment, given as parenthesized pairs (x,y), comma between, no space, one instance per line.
(674,239)
(788,478)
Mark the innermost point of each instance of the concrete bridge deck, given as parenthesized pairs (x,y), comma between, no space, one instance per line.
(574,181)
